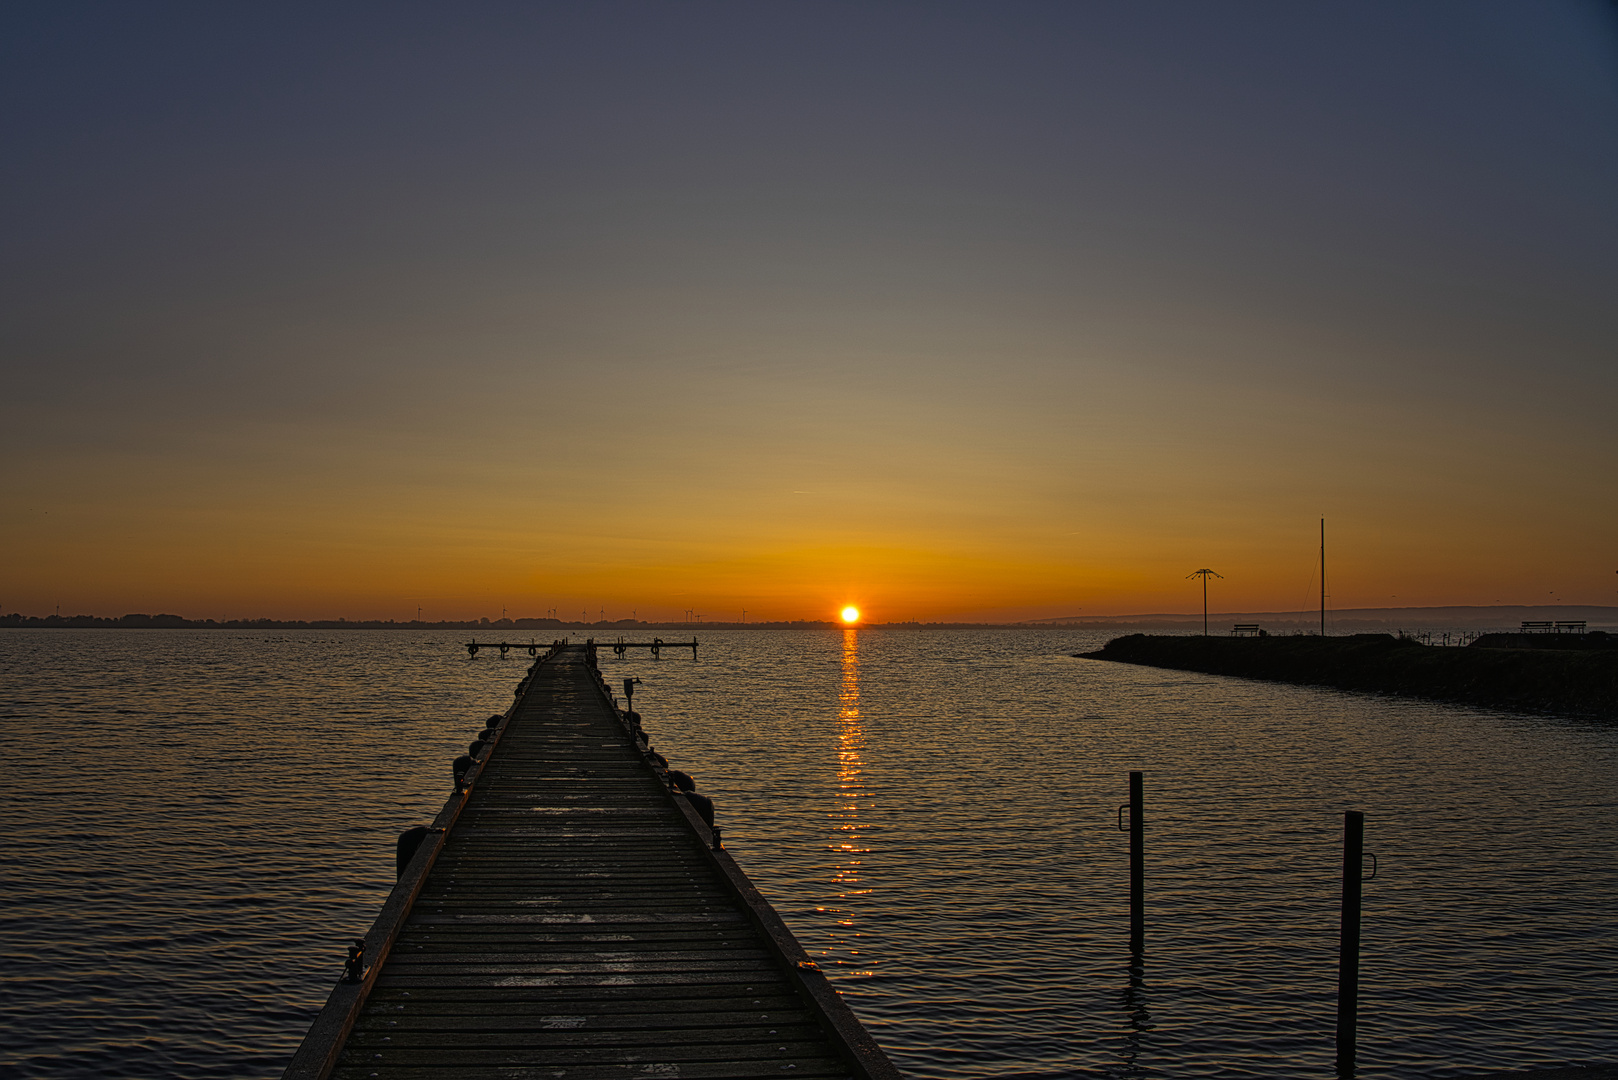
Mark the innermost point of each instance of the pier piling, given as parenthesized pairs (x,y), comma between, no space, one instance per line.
(1136,807)
(1137,862)
(1348,953)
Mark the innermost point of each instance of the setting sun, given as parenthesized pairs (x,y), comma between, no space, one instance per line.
(851,614)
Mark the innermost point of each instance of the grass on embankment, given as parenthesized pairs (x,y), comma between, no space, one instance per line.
(1533,680)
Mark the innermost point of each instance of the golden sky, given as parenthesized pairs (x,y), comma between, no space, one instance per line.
(952,313)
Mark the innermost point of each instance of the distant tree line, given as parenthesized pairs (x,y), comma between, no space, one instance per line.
(139,621)
(179,622)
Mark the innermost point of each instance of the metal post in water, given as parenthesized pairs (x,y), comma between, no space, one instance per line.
(1348,954)
(1137,863)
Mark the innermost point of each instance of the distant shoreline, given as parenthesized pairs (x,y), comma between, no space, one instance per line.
(1503,617)
(511,628)
(1581,682)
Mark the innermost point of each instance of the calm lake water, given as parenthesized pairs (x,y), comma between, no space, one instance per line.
(197,820)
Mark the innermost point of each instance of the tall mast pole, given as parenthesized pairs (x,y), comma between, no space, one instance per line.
(1322,577)
(1204,574)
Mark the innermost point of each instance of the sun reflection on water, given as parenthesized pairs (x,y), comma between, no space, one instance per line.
(848,845)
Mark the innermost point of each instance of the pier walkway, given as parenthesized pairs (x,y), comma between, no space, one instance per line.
(570,918)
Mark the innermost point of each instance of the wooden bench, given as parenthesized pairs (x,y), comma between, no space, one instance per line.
(1246,630)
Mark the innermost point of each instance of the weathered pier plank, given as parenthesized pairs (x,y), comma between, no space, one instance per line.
(572,918)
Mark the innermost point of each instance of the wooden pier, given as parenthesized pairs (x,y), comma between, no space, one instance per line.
(571,916)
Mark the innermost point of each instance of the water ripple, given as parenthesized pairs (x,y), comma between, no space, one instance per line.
(199,820)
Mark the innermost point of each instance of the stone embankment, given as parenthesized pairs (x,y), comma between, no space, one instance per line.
(1573,681)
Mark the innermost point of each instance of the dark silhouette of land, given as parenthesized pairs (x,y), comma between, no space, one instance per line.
(1354,620)
(1475,619)
(1567,677)
(179,622)
(517,628)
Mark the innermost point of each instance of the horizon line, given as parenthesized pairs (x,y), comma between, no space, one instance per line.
(17,620)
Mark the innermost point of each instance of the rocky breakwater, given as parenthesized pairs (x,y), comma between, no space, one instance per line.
(1570,680)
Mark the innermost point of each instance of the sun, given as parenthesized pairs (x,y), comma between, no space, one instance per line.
(851,614)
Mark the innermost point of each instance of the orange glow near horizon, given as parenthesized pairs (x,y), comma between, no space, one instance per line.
(529,382)
(851,614)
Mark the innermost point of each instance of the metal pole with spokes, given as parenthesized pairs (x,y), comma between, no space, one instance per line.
(1204,574)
